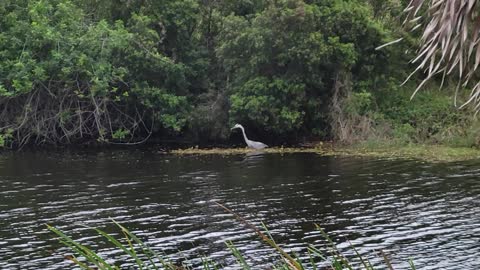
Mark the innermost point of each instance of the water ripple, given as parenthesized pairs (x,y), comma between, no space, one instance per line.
(409,209)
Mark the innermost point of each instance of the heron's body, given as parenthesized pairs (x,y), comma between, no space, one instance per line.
(250,143)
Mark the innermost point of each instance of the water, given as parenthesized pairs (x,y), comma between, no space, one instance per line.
(408,209)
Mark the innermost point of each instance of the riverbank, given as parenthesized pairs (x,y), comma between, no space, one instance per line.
(374,149)
(427,152)
(431,153)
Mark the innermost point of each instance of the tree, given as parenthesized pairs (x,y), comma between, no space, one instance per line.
(282,61)
(66,76)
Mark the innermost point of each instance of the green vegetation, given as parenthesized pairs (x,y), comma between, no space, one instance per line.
(88,71)
(430,118)
(320,149)
(143,257)
(426,152)
(370,148)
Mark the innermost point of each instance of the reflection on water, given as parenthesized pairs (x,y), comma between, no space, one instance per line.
(409,209)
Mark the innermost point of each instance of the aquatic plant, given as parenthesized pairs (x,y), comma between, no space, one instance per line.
(390,149)
(144,257)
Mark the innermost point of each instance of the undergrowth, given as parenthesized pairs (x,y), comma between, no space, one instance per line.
(359,114)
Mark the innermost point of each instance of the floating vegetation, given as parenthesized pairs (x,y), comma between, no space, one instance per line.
(431,153)
(237,151)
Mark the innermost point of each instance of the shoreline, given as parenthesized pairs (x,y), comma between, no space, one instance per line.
(424,152)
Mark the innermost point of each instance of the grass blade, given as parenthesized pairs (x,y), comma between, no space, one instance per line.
(410,261)
(90,255)
(117,243)
(367,266)
(295,265)
(312,261)
(238,255)
(145,249)
(339,260)
(387,261)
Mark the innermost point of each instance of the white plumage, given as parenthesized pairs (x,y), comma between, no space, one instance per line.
(250,143)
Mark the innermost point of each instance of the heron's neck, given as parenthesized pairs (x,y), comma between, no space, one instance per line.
(244,135)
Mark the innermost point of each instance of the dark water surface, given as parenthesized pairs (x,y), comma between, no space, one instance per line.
(409,209)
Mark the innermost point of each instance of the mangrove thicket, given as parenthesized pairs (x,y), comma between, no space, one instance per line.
(122,71)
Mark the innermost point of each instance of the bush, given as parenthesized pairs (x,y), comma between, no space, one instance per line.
(66,76)
(430,117)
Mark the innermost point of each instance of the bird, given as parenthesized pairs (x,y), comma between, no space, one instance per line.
(250,143)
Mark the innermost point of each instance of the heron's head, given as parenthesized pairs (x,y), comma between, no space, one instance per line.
(236,126)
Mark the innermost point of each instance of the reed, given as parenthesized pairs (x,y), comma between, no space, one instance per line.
(144,257)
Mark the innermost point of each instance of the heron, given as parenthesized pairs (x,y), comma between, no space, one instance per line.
(250,143)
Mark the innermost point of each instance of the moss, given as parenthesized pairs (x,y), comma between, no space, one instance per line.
(432,153)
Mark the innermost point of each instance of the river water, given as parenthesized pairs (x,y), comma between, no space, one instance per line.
(406,208)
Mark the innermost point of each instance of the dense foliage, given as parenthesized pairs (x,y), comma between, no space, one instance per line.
(122,71)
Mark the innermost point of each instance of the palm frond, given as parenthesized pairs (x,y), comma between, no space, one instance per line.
(450,43)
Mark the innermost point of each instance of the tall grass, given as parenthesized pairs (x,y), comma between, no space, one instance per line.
(143,257)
